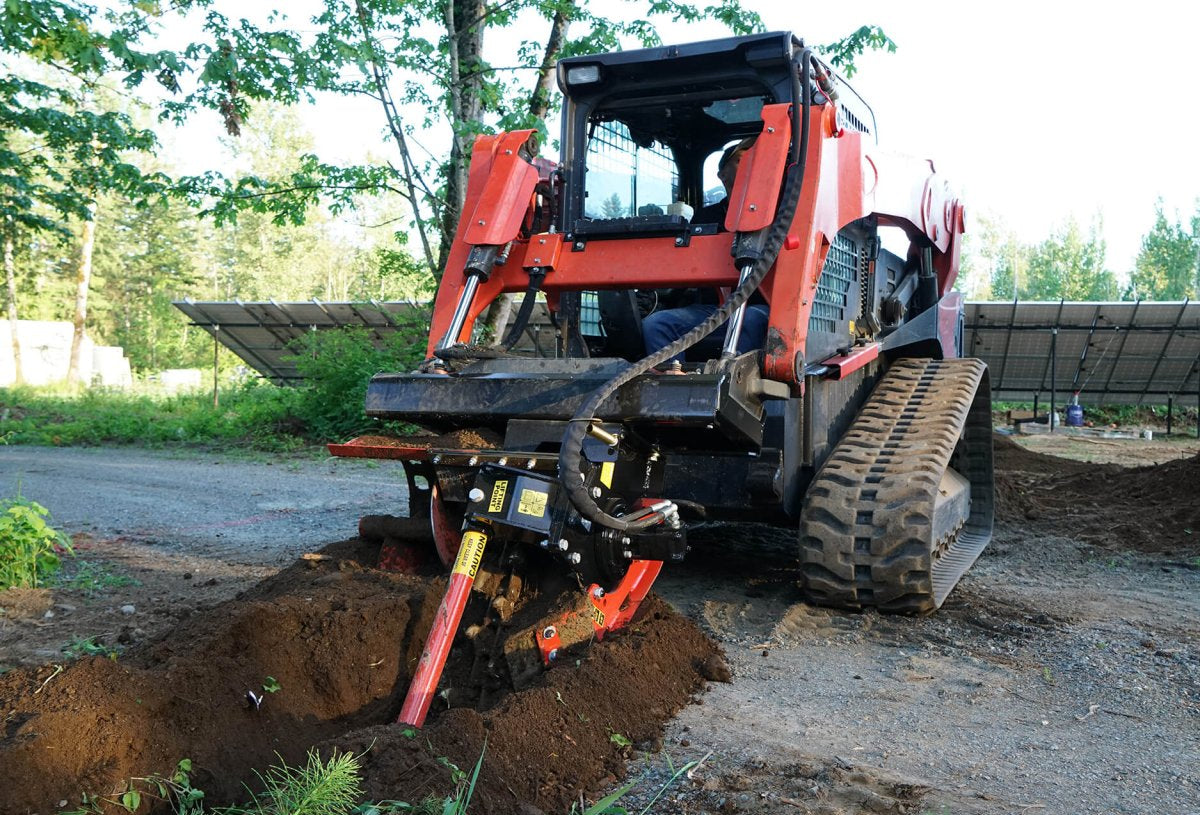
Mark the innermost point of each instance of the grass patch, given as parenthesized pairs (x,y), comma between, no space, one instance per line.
(93,578)
(257,415)
(252,415)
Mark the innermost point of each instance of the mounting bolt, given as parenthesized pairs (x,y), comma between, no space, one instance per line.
(574,558)
(627,554)
(754,207)
(626,540)
(482,222)
(553,655)
(529,465)
(679,241)
(548,632)
(563,544)
(579,246)
(437,459)
(503,460)
(476,495)
(472,461)
(545,543)
(597,592)
(770,130)
(597,492)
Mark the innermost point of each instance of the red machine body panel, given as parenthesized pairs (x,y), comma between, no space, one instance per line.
(844,182)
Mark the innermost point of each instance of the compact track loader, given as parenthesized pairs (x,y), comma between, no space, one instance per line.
(858,422)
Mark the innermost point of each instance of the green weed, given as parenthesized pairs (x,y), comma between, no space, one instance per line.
(89,647)
(29,547)
(271,685)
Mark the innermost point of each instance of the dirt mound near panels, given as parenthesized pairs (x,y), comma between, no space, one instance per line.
(339,639)
(1149,509)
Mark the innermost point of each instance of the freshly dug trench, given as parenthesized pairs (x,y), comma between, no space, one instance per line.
(339,639)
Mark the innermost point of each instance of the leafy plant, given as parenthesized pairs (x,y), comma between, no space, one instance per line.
(89,647)
(29,547)
(271,685)
(338,364)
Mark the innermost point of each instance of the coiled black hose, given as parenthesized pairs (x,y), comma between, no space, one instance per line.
(570,471)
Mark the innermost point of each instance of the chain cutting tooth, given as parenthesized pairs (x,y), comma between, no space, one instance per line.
(869,534)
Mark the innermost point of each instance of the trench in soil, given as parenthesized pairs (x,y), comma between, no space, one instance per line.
(340,639)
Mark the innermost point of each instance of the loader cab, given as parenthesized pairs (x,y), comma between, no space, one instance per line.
(642,130)
(642,135)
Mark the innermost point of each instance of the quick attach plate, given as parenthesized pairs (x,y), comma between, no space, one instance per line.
(516,498)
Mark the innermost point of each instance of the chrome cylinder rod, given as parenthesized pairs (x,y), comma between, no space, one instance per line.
(465,298)
(733,329)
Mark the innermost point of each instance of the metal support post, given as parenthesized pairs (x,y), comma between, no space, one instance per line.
(1053,374)
(1170,410)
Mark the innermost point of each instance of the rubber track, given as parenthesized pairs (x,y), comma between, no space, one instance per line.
(866,527)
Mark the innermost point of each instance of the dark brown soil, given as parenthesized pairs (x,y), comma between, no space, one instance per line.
(1150,509)
(339,639)
(454,440)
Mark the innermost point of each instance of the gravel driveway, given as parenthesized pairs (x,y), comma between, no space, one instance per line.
(258,511)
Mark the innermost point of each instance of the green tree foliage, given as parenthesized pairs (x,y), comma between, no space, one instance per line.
(1168,264)
(1067,265)
(337,365)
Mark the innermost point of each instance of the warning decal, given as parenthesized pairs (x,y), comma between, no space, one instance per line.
(496,504)
(532,503)
(470,553)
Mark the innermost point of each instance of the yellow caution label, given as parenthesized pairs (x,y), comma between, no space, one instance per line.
(606,471)
(532,503)
(496,504)
(470,553)
(598,615)
(851,326)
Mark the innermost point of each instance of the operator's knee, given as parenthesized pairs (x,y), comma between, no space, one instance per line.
(656,331)
(754,329)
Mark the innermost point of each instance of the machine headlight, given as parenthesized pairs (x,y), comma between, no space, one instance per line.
(583,74)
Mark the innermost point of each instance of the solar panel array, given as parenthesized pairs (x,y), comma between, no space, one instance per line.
(1136,352)
(265,334)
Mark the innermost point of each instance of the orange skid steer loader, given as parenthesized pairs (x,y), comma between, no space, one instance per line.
(853,416)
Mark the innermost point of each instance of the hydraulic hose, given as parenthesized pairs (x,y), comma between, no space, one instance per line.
(569,468)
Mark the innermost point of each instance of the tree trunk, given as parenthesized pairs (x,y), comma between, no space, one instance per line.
(464,26)
(83,280)
(539,100)
(539,105)
(10,278)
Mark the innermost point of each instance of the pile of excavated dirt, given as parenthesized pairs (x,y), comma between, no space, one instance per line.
(339,639)
(1149,509)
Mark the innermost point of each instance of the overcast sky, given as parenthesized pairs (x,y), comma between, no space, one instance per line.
(1036,111)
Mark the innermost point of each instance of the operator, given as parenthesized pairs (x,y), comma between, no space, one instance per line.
(661,328)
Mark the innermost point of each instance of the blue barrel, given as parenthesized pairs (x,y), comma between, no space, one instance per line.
(1074,415)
